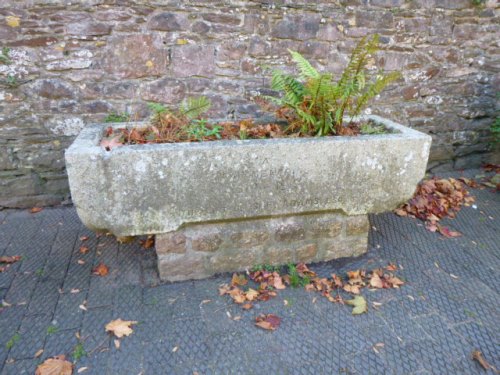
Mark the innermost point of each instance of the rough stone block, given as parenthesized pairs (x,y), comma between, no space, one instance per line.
(170,243)
(357,224)
(204,249)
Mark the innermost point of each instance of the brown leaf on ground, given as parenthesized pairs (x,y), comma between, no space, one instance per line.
(269,322)
(149,242)
(120,328)
(100,270)
(354,289)
(224,289)
(247,306)
(237,295)
(84,250)
(84,238)
(278,281)
(10,259)
(251,294)
(55,366)
(478,356)
(391,267)
(447,232)
(238,280)
(376,281)
(35,210)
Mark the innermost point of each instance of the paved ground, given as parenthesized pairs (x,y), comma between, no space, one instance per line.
(430,326)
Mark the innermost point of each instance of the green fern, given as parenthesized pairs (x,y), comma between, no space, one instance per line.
(305,67)
(319,103)
(194,107)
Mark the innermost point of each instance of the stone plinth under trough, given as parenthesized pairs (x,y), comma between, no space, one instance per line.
(201,250)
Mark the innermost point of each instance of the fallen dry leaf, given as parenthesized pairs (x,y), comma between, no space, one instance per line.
(82,369)
(247,306)
(117,343)
(391,267)
(175,349)
(268,321)
(35,210)
(80,261)
(100,270)
(120,327)
(10,259)
(238,280)
(251,294)
(478,356)
(38,353)
(84,250)
(237,295)
(84,238)
(447,232)
(111,143)
(149,242)
(376,281)
(359,304)
(55,366)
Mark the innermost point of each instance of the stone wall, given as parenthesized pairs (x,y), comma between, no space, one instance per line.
(202,250)
(72,63)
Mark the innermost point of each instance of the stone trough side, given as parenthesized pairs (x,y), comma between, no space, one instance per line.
(201,250)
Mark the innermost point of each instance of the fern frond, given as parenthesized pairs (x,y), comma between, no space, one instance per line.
(293,90)
(373,90)
(194,107)
(305,67)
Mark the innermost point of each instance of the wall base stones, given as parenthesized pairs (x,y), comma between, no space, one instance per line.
(201,250)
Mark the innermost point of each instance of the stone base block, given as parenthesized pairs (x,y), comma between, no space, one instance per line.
(202,250)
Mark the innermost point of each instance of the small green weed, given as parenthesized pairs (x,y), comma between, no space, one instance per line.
(295,279)
(117,117)
(39,272)
(4,56)
(266,267)
(198,129)
(51,330)
(13,340)
(78,352)
(11,81)
(370,128)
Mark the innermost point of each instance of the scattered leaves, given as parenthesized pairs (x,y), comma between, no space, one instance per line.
(268,321)
(359,304)
(436,199)
(55,366)
(100,270)
(120,327)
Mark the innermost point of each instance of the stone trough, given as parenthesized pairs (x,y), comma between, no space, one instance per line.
(228,205)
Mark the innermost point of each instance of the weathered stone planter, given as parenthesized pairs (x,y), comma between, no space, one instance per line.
(226,205)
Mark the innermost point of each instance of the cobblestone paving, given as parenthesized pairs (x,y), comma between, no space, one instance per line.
(448,308)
